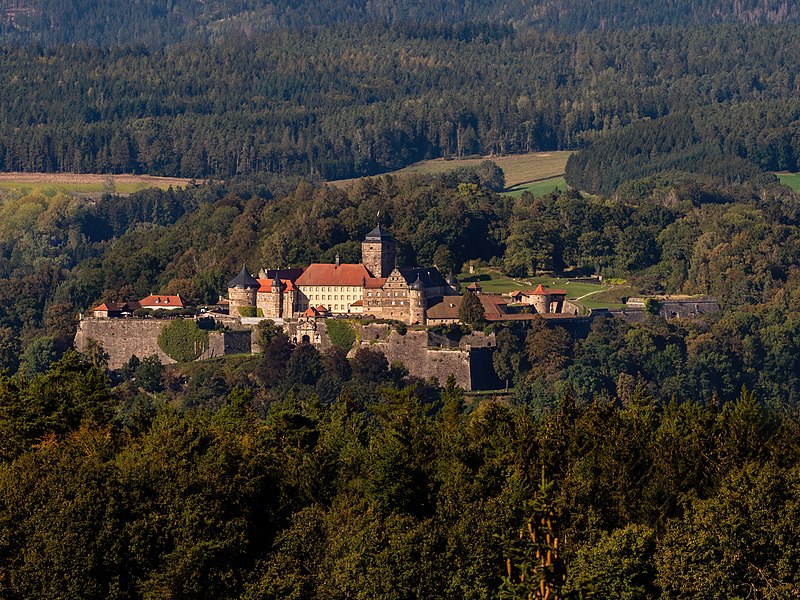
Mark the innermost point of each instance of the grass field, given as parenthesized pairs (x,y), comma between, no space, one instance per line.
(520,169)
(790,179)
(93,184)
(538,188)
(587,295)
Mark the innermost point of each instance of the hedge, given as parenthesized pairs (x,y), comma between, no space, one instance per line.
(182,340)
(341,333)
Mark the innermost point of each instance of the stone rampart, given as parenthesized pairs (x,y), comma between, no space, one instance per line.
(426,355)
(122,338)
(421,361)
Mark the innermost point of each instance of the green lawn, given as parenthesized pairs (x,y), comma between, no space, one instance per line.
(539,188)
(492,281)
(790,179)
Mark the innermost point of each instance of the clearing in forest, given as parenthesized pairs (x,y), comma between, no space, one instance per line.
(91,184)
(586,295)
(791,180)
(521,170)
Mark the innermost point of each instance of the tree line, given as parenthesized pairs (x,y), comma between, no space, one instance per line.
(158,23)
(348,101)
(735,142)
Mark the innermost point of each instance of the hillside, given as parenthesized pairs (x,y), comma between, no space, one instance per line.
(521,171)
(340,103)
(160,22)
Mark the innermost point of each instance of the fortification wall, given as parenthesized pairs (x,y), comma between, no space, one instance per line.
(421,361)
(122,338)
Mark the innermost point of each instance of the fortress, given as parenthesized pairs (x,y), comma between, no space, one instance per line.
(375,287)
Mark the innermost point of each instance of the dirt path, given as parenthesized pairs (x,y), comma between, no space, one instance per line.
(592,294)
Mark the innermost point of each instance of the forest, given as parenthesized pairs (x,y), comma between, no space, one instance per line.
(157,23)
(644,459)
(296,473)
(348,101)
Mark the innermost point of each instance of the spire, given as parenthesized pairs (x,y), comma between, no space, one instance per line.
(277,284)
(244,279)
(417,285)
(379,234)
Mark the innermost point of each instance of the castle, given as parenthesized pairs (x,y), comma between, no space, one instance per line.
(375,287)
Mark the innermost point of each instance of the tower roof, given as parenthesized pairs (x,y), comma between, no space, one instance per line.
(379,234)
(244,279)
(417,285)
(451,280)
(277,284)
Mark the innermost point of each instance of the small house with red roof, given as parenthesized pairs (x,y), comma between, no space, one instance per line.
(156,302)
(111,310)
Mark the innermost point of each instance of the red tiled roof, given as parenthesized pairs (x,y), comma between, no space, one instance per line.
(266,285)
(310,312)
(375,282)
(330,274)
(161,301)
(117,306)
(493,305)
(541,291)
(358,303)
(321,309)
(447,308)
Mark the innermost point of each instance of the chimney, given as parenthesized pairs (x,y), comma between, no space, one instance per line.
(337,260)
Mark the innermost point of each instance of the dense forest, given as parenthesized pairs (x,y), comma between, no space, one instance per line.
(161,22)
(735,142)
(652,451)
(351,101)
(630,459)
(391,490)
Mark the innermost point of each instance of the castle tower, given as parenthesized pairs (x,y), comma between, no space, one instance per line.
(540,298)
(242,291)
(417,302)
(378,252)
(274,307)
(453,283)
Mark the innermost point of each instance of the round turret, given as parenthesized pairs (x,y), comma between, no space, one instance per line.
(416,302)
(242,291)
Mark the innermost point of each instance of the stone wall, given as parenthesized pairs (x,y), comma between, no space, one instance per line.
(412,351)
(469,361)
(122,338)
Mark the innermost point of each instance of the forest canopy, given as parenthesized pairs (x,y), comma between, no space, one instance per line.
(342,102)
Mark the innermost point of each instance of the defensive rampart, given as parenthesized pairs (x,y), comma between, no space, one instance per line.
(122,338)
(468,360)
